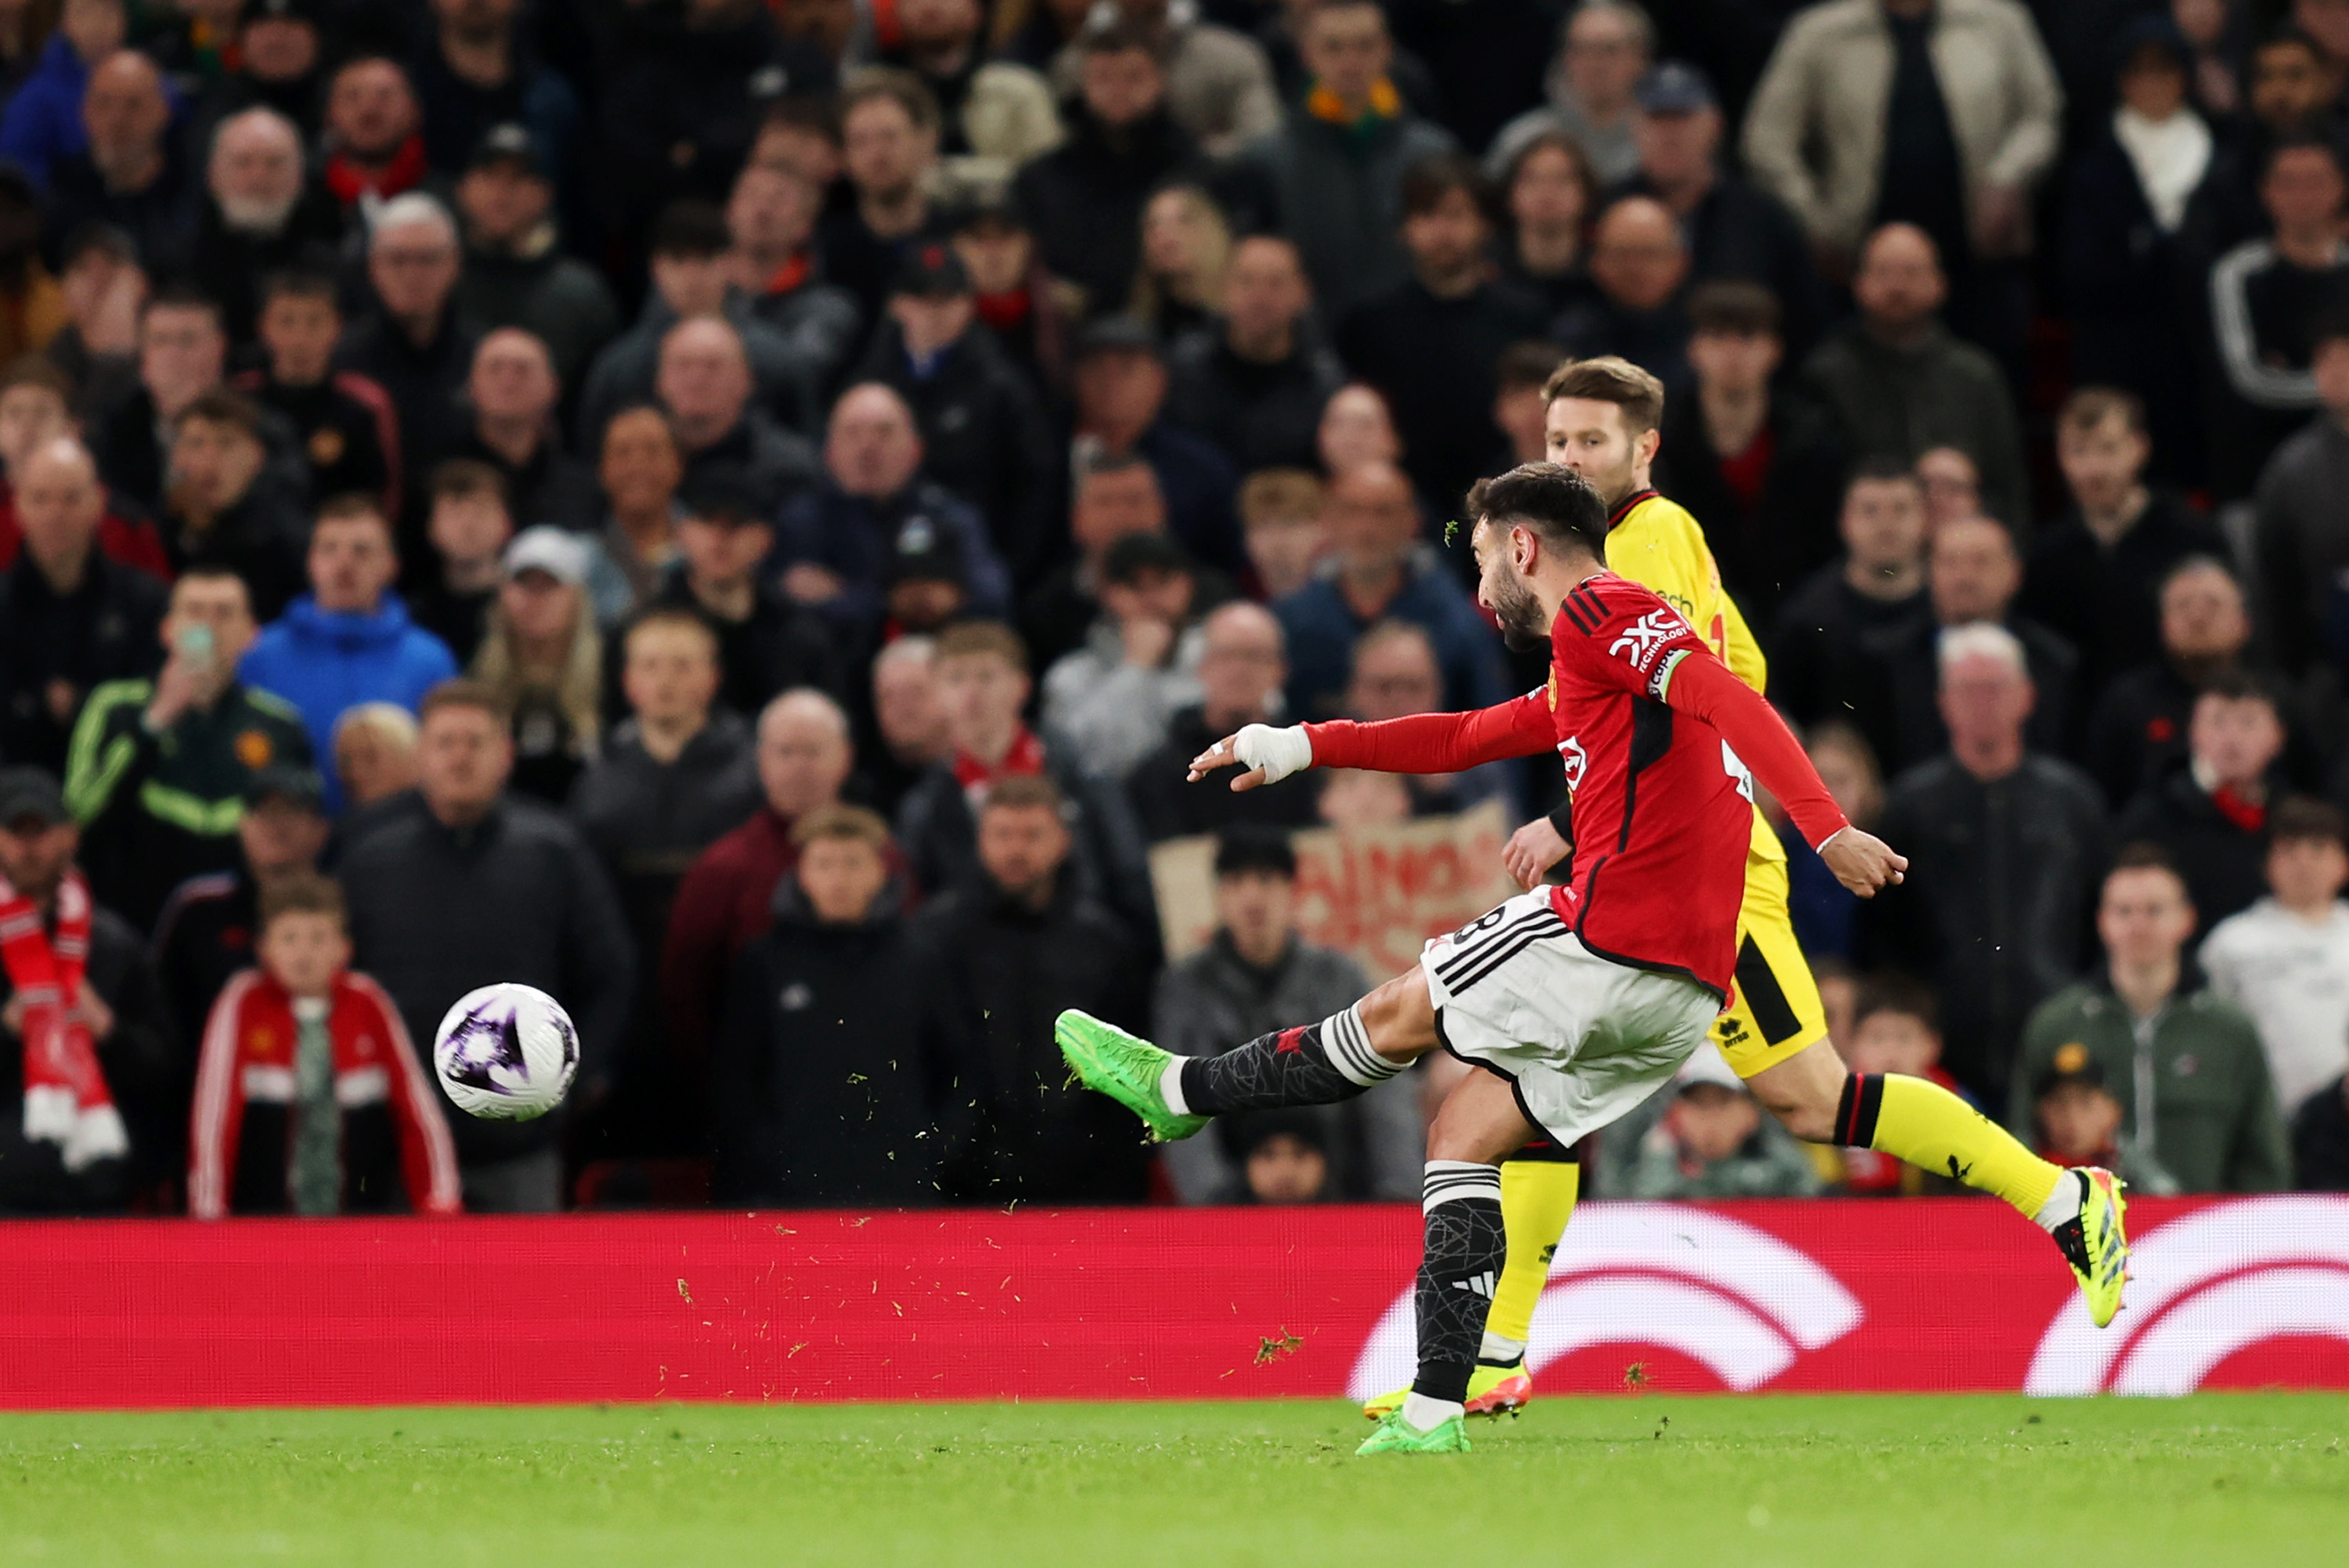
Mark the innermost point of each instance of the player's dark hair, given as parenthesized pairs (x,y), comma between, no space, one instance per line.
(1552,500)
(1896,994)
(1255,848)
(1611,380)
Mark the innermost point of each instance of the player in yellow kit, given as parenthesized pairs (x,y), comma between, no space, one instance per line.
(1602,421)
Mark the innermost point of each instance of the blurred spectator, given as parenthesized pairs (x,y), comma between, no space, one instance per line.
(693,283)
(984,436)
(2285,960)
(542,659)
(993,115)
(1760,464)
(1335,167)
(413,344)
(726,896)
(1255,381)
(375,752)
(74,980)
(160,767)
(2004,846)
(1114,496)
(1971,576)
(517,272)
(347,430)
(469,527)
(260,216)
(1830,631)
(1012,292)
(2301,533)
(1185,257)
(1902,385)
(2136,736)
(1734,229)
(1396,673)
(2075,1120)
(310,1097)
(2184,1067)
(1639,267)
(767,642)
(511,392)
(182,352)
(2124,255)
(2094,578)
(348,639)
(2273,304)
(374,145)
(1356,430)
(1121,393)
(1520,412)
(640,469)
(1383,572)
(205,932)
(1825,913)
(478,72)
(2320,1140)
(226,505)
(1241,671)
(461,885)
(33,307)
(1550,195)
(44,119)
(1604,51)
(1257,975)
(889,145)
(2211,817)
(704,384)
(131,173)
(1893,1029)
(1430,343)
(1084,199)
(71,618)
(2291,89)
(671,778)
(838,539)
(844,1061)
(35,410)
(909,721)
(1283,1157)
(1952,484)
(281,52)
(771,218)
(1114,698)
(1023,942)
(1219,85)
(1713,1141)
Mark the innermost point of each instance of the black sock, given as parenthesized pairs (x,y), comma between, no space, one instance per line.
(1465,1249)
(1863,1096)
(1317,1065)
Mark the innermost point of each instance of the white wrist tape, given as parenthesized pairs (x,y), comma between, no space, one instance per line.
(1279,752)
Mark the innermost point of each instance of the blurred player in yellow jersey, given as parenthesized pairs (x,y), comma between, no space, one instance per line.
(1602,421)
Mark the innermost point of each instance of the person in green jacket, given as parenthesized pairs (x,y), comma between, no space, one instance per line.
(2186,1066)
(158,769)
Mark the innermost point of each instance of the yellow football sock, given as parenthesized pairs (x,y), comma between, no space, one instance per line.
(1536,1199)
(1926,1125)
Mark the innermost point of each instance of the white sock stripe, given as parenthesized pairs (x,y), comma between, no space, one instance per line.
(1170,1087)
(1459,1181)
(1348,1045)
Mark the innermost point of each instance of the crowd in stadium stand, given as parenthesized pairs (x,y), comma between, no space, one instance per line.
(739,512)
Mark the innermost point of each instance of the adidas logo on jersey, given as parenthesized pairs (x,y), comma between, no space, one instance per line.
(1477,1284)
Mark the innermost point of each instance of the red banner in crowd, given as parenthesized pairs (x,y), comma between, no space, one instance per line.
(1141,1304)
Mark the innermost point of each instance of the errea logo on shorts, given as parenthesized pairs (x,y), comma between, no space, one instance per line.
(1640,642)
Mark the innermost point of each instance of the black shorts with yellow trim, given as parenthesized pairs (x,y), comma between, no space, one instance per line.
(1774,1009)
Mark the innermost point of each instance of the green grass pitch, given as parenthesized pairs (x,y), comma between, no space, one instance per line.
(1949,1482)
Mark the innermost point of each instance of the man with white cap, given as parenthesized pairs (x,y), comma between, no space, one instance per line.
(1708,1139)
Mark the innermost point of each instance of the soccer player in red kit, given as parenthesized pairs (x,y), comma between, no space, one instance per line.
(1582,999)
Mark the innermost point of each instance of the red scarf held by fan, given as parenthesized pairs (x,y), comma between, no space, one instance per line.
(405,172)
(1024,760)
(65,1098)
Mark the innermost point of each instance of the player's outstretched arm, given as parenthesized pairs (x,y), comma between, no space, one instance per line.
(1420,743)
(1703,686)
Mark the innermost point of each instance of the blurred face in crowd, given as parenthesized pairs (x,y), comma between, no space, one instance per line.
(772,210)
(222,607)
(1972,571)
(1180,233)
(414,268)
(31,416)
(463,757)
(1264,292)
(512,381)
(1637,257)
(2203,616)
(1900,284)
(351,563)
(937,26)
(1849,771)
(300,331)
(1713,1120)
(2307,874)
(841,878)
(2301,190)
(1113,503)
(1356,429)
(670,675)
(2289,85)
(2101,462)
(1149,595)
(1605,57)
(1345,48)
(370,112)
(1259,909)
(1241,667)
(704,380)
(1952,485)
(1023,848)
(95,28)
(304,950)
(722,552)
(215,463)
(1521,412)
(125,112)
(803,754)
(691,284)
(1285,549)
(1984,702)
(469,529)
(1890,1040)
(1122,87)
(477,19)
(983,694)
(1119,393)
(932,323)
(882,149)
(828,23)
(1372,518)
(641,467)
(59,503)
(34,856)
(2078,1121)
(1394,678)
(871,446)
(997,253)
(502,203)
(2235,739)
(905,706)
(2327,22)
(1736,363)
(1676,150)
(2144,917)
(1547,194)
(2153,83)
(374,759)
(1447,242)
(181,350)
(1594,438)
(279,837)
(256,170)
(1285,1169)
(279,49)
(541,609)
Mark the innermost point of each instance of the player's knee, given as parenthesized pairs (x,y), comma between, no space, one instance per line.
(1802,1093)
(1400,1017)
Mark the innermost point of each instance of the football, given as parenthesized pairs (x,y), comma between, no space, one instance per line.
(506,1053)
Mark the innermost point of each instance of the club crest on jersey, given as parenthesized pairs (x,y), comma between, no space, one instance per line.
(1640,642)
(1575,760)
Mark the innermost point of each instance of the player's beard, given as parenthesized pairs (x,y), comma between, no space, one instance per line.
(1523,626)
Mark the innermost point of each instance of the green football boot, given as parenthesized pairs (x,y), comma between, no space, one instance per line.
(1396,1435)
(1107,1059)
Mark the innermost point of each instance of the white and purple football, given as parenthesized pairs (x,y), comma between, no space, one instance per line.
(506,1053)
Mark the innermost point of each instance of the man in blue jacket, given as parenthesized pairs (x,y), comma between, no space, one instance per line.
(348,639)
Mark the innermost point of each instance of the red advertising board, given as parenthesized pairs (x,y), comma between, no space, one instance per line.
(1139,1304)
